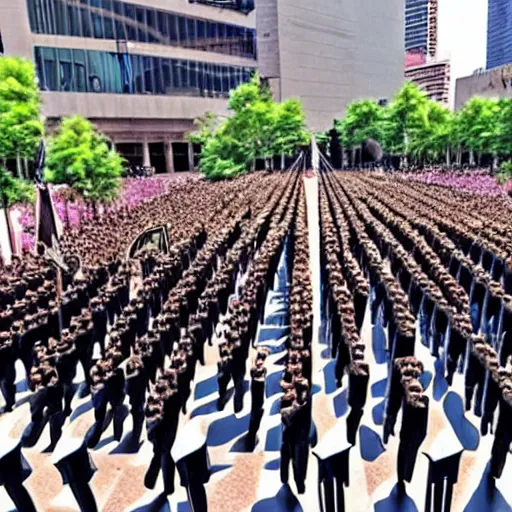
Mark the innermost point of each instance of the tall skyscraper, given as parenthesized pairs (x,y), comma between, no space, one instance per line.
(329,53)
(421,27)
(422,65)
(499,33)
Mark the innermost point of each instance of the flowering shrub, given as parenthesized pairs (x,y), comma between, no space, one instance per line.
(471,181)
(133,192)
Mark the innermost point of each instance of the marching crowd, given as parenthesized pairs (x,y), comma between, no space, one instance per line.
(137,324)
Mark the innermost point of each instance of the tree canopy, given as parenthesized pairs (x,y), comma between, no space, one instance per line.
(258,127)
(21,128)
(414,127)
(79,156)
(13,191)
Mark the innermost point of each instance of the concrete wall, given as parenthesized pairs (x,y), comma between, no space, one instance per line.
(122,106)
(379,48)
(332,52)
(15,29)
(268,39)
(488,84)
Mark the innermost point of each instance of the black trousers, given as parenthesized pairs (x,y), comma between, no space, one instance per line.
(109,394)
(7,379)
(294,449)
(257,400)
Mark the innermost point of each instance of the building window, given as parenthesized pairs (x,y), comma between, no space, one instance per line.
(119,20)
(85,15)
(131,22)
(108,22)
(80,71)
(70,70)
(114,19)
(245,6)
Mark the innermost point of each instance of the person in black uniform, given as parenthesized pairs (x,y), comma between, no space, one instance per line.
(7,370)
(136,384)
(258,375)
(108,383)
(162,416)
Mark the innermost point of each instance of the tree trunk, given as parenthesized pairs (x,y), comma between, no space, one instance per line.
(342,157)
(353,162)
(282,161)
(66,211)
(479,158)
(448,163)
(18,166)
(495,163)
(471,158)
(95,209)
(25,168)
(361,163)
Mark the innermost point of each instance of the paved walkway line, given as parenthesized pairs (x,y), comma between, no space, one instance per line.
(311,188)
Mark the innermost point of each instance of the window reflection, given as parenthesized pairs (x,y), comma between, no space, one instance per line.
(246,6)
(113,19)
(107,72)
(85,16)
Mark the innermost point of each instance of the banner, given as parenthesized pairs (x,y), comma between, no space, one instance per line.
(46,222)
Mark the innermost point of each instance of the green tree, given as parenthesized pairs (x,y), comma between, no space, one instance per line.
(21,128)
(433,139)
(478,126)
(79,156)
(14,191)
(258,127)
(407,116)
(363,120)
(502,146)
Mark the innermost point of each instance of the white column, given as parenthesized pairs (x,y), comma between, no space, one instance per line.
(146,157)
(191,157)
(169,157)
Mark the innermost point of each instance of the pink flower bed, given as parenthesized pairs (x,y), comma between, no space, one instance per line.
(469,181)
(133,192)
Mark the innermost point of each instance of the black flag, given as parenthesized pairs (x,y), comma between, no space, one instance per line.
(46,221)
(40,161)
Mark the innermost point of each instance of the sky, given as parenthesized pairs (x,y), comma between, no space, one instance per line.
(462,36)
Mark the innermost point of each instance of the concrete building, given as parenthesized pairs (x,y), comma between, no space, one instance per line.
(433,78)
(329,53)
(493,83)
(142,71)
(499,33)
(422,63)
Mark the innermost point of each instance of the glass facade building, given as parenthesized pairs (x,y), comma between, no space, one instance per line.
(244,6)
(499,33)
(116,20)
(416,25)
(72,70)
(141,70)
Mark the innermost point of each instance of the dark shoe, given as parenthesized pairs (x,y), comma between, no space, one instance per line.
(152,474)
